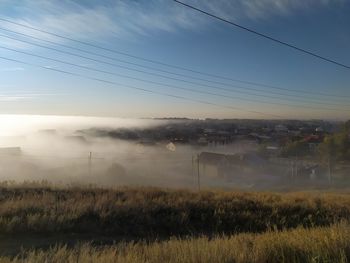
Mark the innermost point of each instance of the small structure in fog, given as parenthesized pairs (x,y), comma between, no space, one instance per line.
(313,141)
(281,128)
(171,147)
(147,142)
(228,165)
(202,140)
(319,130)
(310,172)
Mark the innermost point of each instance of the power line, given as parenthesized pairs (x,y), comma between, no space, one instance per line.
(169,65)
(265,36)
(150,73)
(145,72)
(167,77)
(136,64)
(140,89)
(171,86)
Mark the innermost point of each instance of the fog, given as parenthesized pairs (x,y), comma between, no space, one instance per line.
(84,150)
(22,125)
(52,149)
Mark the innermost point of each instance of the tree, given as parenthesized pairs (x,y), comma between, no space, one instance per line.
(337,146)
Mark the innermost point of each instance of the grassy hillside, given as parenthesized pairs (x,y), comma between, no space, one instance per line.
(328,244)
(87,224)
(156,213)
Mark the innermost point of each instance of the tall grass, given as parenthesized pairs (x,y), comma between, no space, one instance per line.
(156,213)
(328,244)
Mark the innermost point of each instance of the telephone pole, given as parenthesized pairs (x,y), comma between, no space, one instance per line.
(329,169)
(198,174)
(193,174)
(90,163)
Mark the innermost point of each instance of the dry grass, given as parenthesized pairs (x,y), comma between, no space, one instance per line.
(328,244)
(190,227)
(148,212)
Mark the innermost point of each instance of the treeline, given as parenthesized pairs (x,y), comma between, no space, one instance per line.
(335,146)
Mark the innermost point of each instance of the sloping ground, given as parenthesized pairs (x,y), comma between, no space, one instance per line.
(328,244)
(154,213)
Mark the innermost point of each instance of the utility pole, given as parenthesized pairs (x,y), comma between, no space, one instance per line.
(329,170)
(193,175)
(90,163)
(198,174)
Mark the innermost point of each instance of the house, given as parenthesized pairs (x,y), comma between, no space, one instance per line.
(210,158)
(243,130)
(319,130)
(214,164)
(313,141)
(281,128)
(171,147)
(273,150)
(228,165)
(310,171)
(202,140)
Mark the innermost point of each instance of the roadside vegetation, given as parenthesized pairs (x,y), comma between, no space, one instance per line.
(164,225)
(157,213)
(327,244)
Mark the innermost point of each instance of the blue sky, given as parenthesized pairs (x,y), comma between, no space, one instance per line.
(164,31)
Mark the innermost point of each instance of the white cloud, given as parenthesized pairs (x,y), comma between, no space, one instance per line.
(126,18)
(258,9)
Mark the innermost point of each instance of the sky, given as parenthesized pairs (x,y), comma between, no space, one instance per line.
(156,58)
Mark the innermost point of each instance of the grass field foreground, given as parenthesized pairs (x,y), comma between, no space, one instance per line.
(323,244)
(146,212)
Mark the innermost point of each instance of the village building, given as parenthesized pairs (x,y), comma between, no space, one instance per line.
(228,165)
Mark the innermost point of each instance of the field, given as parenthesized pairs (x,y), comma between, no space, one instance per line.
(329,244)
(72,224)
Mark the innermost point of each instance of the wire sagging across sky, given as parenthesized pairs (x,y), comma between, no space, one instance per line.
(264,35)
(172,66)
(232,88)
(171,86)
(121,85)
